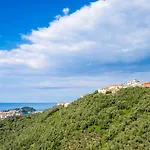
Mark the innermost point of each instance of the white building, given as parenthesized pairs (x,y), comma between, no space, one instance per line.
(66,104)
(133,83)
(1,115)
(115,87)
(103,91)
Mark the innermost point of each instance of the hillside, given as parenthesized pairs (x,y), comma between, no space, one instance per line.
(95,122)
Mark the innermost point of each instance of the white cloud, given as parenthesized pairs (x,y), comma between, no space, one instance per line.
(58,17)
(66,11)
(106,31)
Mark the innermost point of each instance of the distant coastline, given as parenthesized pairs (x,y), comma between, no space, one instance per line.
(17,112)
(38,106)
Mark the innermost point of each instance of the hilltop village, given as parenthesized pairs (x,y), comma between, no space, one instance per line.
(113,88)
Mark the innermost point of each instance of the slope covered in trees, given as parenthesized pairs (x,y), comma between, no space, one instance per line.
(95,122)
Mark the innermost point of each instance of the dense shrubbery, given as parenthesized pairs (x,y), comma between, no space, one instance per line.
(108,122)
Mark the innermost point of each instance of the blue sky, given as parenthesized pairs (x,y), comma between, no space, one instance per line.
(20,17)
(54,51)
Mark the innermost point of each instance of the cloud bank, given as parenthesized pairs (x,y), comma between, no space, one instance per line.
(106,31)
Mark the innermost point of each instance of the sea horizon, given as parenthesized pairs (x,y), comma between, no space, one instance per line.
(40,106)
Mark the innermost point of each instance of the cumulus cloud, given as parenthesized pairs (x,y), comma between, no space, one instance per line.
(66,11)
(58,17)
(106,31)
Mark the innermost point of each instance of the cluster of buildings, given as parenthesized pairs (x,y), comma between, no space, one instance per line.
(10,113)
(116,87)
(113,88)
(63,104)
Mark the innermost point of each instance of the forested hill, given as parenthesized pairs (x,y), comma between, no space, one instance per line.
(108,122)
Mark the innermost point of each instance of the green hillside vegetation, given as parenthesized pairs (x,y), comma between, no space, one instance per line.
(96,122)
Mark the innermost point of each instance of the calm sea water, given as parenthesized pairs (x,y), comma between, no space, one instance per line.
(37,106)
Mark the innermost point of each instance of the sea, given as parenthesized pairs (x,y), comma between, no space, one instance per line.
(38,106)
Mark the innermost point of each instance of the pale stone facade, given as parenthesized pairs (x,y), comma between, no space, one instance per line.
(103,91)
(115,86)
(66,104)
(133,83)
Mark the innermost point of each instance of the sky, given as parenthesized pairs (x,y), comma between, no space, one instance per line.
(57,50)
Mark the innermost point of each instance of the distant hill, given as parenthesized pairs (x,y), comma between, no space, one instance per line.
(27,110)
(24,110)
(96,122)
